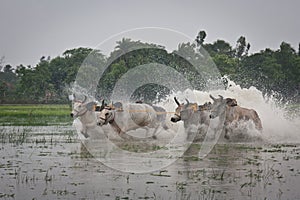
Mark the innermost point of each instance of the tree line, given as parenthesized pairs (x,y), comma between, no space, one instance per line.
(271,71)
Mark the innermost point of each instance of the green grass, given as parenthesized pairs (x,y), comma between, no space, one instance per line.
(35,115)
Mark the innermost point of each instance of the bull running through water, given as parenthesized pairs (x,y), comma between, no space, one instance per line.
(196,118)
(131,117)
(85,111)
(233,114)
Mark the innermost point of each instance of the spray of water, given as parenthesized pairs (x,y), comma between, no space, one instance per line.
(278,125)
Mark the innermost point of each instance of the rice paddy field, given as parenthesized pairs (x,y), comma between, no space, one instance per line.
(35,115)
(42,157)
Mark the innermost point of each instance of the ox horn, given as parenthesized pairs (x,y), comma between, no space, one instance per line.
(102,103)
(213,98)
(221,97)
(85,97)
(187,101)
(177,102)
(75,98)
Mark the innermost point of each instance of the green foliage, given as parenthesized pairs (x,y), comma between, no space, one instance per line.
(274,71)
(200,38)
(242,48)
(219,47)
(269,70)
(7,83)
(146,57)
(46,82)
(226,64)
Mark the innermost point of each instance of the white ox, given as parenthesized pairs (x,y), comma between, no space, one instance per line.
(233,114)
(86,114)
(130,117)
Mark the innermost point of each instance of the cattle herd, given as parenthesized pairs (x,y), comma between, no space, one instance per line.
(131,116)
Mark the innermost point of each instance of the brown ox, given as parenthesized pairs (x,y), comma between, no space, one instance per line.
(233,113)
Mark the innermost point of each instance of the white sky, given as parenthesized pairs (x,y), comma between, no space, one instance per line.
(34,28)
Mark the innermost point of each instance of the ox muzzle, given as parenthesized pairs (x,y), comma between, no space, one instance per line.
(175,119)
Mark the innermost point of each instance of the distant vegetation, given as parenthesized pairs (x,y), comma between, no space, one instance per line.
(272,71)
(35,115)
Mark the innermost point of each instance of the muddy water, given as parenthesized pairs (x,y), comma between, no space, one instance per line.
(52,163)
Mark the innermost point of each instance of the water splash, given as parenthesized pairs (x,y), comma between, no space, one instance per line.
(279,125)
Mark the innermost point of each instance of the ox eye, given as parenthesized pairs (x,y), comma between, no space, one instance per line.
(106,114)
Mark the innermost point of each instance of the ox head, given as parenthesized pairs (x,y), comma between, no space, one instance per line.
(231,102)
(106,114)
(219,105)
(81,107)
(183,111)
(205,107)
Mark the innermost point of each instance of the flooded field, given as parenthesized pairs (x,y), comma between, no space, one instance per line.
(52,163)
(49,159)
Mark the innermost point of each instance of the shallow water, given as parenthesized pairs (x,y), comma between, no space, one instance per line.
(52,163)
(56,162)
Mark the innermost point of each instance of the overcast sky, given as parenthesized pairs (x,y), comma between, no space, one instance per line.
(31,29)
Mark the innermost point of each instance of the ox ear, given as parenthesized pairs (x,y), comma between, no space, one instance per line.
(97,108)
(213,98)
(176,101)
(90,105)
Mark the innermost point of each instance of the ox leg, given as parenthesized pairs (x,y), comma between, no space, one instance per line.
(127,137)
(154,133)
(84,132)
(147,130)
(227,131)
(226,135)
(158,128)
(258,125)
